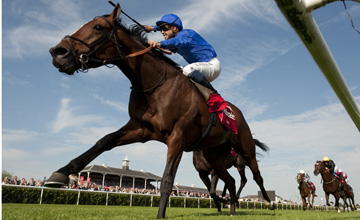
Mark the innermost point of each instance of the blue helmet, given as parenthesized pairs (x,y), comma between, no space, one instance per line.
(171,19)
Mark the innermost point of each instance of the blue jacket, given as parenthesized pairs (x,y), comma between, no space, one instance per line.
(191,46)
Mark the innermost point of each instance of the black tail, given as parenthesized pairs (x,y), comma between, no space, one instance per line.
(262,146)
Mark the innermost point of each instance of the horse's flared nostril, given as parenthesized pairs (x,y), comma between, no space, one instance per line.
(58,51)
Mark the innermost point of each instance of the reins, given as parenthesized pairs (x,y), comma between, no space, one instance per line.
(85,58)
(147,50)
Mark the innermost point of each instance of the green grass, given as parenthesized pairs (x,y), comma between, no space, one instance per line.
(53,212)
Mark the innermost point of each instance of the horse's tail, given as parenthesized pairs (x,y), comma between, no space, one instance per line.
(261,145)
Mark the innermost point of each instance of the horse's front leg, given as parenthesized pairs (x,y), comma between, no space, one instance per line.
(327,199)
(174,154)
(304,203)
(130,133)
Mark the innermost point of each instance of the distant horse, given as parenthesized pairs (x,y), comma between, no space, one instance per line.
(350,196)
(348,192)
(306,191)
(204,169)
(331,184)
(164,104)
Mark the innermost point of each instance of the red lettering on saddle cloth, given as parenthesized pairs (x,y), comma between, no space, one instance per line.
(232,153)
(217,104)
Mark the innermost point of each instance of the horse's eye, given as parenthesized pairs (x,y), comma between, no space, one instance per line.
(98,27)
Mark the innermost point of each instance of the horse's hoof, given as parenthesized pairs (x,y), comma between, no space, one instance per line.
(57,180)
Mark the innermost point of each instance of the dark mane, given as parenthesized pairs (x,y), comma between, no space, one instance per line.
(140,34)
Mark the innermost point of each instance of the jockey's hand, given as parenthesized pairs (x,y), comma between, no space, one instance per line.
(154,43)
(148,28)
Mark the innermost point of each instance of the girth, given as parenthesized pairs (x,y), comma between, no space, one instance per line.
(205,132)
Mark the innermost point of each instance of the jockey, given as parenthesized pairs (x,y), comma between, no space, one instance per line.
(203,65)
(306,176)
(333,169)
(342,175)
(329,164)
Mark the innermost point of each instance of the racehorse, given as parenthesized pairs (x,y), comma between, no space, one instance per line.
(306,191)
(348,192)
(204,169)
(164,104)
(331,184)
(350,196)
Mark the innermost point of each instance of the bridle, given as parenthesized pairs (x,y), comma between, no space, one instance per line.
(84,59)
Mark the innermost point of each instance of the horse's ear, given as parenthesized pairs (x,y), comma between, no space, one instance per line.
(116,12)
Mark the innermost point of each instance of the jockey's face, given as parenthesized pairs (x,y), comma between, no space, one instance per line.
(169,33)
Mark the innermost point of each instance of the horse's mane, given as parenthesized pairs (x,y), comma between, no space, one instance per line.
(140,34)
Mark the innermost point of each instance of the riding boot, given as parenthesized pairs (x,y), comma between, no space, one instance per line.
(200,78)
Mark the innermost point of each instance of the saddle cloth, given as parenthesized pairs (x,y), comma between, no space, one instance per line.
(310,185)
(217,104)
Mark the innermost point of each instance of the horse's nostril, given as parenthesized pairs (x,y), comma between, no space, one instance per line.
(58,51)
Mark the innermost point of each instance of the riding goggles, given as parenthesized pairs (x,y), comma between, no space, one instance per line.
(166,26)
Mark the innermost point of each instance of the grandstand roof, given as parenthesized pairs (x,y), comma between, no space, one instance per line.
(193,189)
(103,169)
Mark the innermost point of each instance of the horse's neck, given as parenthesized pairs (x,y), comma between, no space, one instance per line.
(327,176)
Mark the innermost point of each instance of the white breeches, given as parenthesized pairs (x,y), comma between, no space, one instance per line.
(211,70)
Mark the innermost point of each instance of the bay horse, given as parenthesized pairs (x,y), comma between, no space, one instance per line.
(306,191)
(204,169)
(164,104)
(350,196)
(348,192)
(331,184)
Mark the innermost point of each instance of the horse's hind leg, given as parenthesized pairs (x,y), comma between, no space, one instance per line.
(240,165)
(219,167)
(126,135)
(245,146)
(312,200)
(258,178)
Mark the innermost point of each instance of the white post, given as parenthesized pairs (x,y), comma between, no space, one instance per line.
(297,14)
(41,195)
(78,199)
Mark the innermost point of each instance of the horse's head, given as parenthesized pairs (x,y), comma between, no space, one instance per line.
(88,46)
(300,177)
(320,168)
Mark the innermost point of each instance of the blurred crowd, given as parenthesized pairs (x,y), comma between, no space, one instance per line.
(109,186)
(22,182)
